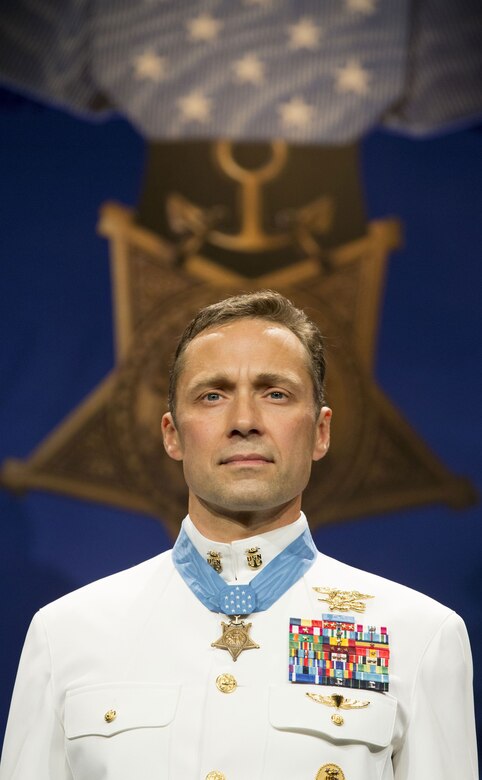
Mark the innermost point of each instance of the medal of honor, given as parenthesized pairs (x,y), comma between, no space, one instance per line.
(235,637)
(237,601)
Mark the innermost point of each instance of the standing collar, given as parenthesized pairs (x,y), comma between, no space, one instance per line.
(233,555)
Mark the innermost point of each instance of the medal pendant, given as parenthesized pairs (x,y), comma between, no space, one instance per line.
(235,637)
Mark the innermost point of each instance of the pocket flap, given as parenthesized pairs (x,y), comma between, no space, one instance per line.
(290,709)
(107,709)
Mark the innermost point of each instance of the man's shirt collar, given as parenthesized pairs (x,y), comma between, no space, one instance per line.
(233,556)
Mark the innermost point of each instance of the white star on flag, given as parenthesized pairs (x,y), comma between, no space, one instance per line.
(195,107)
(352,78)
(361,6)
(204,28)
(249,69)
(150,65)
(304,35)
(296,112)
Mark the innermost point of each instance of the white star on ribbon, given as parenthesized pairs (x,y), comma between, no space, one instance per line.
(304,35)
(361,6)
(296,112)
(352,78)
(203,28)
(249,69)
(195,107)
(150,65)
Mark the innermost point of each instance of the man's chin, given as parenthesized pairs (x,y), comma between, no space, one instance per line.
(245,501)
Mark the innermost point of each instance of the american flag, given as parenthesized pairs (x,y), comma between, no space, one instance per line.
(308,71)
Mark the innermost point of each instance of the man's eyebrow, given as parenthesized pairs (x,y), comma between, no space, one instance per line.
(211,380)
(270,379)
(264,379)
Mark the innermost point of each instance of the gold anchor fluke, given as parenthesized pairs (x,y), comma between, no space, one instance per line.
(344,600)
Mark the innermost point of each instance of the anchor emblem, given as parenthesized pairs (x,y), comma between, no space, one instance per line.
(198,225)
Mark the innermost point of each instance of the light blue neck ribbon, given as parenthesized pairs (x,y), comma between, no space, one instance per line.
(263,590)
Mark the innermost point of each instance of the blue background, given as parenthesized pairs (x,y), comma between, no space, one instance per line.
(56,345)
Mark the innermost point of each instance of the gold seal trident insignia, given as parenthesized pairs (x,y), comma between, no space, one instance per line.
(344,600)
(338,701)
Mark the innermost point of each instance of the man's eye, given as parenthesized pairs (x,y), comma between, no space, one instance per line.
(277,395)
(212,397)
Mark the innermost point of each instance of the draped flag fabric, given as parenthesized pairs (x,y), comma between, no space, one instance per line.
(309,71)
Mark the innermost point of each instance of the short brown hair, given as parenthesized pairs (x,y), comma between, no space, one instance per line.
(266,305)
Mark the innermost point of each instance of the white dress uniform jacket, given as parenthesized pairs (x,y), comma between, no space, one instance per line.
(139,644)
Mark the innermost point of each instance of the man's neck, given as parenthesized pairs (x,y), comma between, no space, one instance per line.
(226,526)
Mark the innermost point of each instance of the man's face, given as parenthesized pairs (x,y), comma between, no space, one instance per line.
(246,428)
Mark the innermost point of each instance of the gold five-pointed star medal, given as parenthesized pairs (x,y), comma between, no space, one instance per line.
(235,637)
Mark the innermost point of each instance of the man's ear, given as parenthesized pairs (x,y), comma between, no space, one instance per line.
(170,437)
(322,435)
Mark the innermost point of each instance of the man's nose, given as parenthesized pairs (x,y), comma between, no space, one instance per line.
(245,417)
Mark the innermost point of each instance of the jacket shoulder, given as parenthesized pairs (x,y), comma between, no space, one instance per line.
(123,587)
(393,598)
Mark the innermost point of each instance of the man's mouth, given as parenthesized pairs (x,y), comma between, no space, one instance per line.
(251,458)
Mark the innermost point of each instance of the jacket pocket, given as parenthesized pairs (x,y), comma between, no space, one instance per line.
(119,730)
(108,709)
(357,740)
(373,724)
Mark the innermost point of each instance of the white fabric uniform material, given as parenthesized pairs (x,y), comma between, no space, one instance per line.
(139,643)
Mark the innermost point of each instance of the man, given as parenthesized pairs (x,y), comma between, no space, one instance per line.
(218,659)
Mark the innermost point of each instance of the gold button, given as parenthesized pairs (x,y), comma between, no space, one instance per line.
(226,683)
(214,775)
(110,715)
(330,772)
(337,719)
